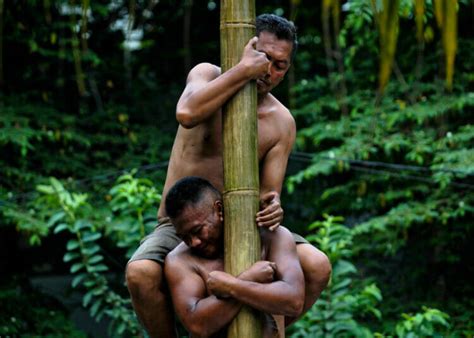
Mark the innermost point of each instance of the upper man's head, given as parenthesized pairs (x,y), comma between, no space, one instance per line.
(195,209)
(277,39)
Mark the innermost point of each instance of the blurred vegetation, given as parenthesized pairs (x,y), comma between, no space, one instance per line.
(382,92)
(27,312)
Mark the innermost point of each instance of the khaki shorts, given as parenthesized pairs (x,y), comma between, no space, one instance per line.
(163,239)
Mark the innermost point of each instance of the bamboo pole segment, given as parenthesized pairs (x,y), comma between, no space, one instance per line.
(241,181)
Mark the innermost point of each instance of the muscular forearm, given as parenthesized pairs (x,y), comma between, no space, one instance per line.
(278,297)
(200,104)
(210,315)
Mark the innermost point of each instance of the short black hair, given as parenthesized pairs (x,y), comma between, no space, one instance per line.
(281,27)
(187,191)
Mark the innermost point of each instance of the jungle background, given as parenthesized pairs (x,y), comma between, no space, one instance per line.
(381,177)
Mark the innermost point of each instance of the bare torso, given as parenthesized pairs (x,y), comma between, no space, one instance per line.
(203,266)
(198,151)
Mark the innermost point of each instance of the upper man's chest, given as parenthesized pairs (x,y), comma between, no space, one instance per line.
(267,132)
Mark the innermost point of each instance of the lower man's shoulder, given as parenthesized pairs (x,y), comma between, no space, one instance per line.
(178,254)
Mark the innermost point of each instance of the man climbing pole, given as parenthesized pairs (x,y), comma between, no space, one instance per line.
(197,151)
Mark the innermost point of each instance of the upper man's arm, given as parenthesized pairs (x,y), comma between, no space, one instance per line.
(273,168)
(198,78)
(272,172)
(207,89)
(202,315)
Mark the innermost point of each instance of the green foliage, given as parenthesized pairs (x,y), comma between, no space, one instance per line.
(133,201)
(70,146)
(429,323)
(409,226)
(348,149)
(399,168)
(344,305)
(85,258)
(29,313)
(132,207)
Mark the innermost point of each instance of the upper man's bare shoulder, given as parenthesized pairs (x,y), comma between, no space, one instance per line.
(204,71)
(284,114)
(282,121)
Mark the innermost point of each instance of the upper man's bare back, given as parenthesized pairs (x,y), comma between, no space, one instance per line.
(198,151)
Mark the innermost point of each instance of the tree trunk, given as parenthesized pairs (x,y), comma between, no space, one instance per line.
(241,183)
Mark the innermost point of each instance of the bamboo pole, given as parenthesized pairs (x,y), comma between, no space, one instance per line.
(241,183)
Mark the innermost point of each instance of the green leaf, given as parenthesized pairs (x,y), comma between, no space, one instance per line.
(81,224)
(97,268)
(45,189)
(78,279)
(76,267)
(95,307)
(86,299)
(91,237)
(91,250)
(35,240)
(95,259)
(72,244)
(69,256)
(61,227)
(56,217)
(121,328)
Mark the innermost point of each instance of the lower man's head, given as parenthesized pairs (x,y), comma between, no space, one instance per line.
(195,209)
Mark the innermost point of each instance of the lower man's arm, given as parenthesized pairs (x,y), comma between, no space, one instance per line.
(278,297)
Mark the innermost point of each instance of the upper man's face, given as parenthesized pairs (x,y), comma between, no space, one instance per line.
(200,227)
(279,54)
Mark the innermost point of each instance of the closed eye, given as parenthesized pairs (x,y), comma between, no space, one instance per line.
(197,230)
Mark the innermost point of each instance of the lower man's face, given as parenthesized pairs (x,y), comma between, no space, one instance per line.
(200,227)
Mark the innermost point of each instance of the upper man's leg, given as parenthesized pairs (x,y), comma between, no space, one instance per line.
(150,300)
(317,272)
(147,285)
